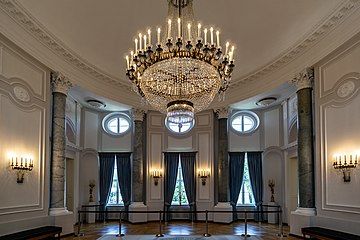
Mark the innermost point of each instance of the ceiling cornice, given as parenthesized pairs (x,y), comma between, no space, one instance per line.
(23,18)
(315,35)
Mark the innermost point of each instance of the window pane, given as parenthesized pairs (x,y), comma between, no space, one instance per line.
(113,125)
(124,125)
(246,194)
(179,197)
(248,123)
(236,123)
(115,195)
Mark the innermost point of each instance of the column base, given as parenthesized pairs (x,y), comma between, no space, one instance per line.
(137,217)
(223,217)
(300,218)
(63,218)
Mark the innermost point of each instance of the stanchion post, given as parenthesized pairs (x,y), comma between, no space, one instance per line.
(245,234)
(160,234)
(120,234)
(79,234)
(281,230)
(206,234)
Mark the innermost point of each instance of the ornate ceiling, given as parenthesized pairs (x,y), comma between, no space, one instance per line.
(94,36)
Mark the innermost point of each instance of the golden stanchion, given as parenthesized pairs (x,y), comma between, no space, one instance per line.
(281,230)
(206,234)
(120,225)
(245,234)
(160,234)
(79,234)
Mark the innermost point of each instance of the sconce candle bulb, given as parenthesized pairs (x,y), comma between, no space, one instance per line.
(203,174)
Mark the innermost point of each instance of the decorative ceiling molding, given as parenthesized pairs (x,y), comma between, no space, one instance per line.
(22,17)
(30,24)
(314,36)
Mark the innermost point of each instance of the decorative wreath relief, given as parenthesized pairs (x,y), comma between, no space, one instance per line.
(346,89)
(21,94)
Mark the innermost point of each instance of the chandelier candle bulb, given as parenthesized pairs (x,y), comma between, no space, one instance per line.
(205,36)
(212,35)
(127,62)
(136,45)
(226,48)
(149,36)
(145,38)
(218,39)
(179,27)
(199,30)
(140,41)
(158,35)
(169,29)
(189,31)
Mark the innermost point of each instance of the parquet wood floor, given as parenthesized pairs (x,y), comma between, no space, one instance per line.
(257,231)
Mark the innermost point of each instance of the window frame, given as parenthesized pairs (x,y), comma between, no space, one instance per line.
(245,113)
(116,115)
(179,133)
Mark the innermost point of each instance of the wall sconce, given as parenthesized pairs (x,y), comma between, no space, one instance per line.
(203,174)
(25,165)
(156,174)
(344,166)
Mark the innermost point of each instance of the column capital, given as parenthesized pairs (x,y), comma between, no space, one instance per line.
(304,79)
(222,112)
(60,83)
(138,114)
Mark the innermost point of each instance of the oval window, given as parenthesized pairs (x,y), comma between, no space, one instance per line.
(116,123)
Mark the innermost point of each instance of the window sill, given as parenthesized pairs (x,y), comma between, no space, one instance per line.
(245,205)
(115,205)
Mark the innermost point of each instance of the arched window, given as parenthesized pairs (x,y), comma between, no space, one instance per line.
(244,122)
(116,124)
(179,128)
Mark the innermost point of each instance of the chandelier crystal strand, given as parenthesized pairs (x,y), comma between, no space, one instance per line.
(180,74)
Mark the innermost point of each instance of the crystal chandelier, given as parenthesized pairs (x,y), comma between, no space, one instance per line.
(185,68)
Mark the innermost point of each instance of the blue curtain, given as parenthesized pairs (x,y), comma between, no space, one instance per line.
(236,168)
(256,179)
(188,171)
(123,163)
(171,161)
(107,161)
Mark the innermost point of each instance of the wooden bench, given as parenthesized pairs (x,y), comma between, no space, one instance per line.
(327,234)
(48,232)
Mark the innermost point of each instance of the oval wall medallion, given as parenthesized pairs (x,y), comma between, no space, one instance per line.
(346,89)
(21,94)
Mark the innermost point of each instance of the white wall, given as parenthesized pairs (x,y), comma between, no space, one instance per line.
(337,106)
(199,139)
(94,140)
(24,130)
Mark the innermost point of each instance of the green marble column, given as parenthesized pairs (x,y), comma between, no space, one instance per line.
(60,86)
(304,82)
(222,156)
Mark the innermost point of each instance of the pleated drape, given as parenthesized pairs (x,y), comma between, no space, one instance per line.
(188,171)
(106,162)
(123,162)
(171,162)
(236,168)
(256,179)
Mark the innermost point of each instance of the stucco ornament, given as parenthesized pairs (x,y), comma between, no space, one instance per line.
(21,94)
(346,89)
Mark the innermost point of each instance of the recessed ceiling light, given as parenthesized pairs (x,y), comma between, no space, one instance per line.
(96,103)
(266,101)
